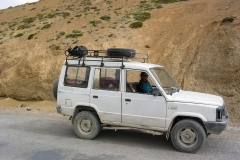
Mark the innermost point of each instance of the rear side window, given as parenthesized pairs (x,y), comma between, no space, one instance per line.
(77,76)
(106,79)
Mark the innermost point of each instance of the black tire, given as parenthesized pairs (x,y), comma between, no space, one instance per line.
(55,88)
(86,125)
(188,136)
(121,52)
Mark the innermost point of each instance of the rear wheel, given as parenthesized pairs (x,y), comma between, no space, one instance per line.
(188,136)
(86,125)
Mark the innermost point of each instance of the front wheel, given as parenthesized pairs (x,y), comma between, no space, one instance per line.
(188,136)
(86,125)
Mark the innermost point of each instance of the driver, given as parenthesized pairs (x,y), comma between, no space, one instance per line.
(143,85)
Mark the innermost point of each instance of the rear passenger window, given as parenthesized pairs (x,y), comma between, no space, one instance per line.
(106,79)
(77,76)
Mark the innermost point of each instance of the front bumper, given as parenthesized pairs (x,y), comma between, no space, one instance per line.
(221,122)
(218,126)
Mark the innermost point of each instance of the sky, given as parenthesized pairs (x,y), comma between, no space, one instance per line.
(12,3)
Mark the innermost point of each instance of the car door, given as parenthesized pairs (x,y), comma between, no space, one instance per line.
(141,109)
(105,94)
(74,88)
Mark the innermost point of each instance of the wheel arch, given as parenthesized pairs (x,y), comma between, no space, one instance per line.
(179,118)
(80,108)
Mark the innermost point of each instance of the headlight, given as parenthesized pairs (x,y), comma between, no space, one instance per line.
(221,113)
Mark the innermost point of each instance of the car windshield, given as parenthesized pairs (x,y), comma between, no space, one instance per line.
(165,80)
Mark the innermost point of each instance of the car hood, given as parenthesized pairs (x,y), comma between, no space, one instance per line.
(197,98)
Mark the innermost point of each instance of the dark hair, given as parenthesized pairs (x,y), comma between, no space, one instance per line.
(143,73)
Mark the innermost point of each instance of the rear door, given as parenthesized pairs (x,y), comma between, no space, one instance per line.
(74,88)
(105,94)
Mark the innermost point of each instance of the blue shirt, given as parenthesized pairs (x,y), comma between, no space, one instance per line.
(144,86)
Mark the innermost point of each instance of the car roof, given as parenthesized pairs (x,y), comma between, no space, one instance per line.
(113,63)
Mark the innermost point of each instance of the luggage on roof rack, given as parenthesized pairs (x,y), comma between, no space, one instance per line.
(82,51)
(116,54)
(77,51)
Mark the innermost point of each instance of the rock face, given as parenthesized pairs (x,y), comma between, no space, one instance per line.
(190,38)
(27,72)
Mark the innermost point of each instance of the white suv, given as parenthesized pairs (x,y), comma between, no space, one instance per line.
(98,91)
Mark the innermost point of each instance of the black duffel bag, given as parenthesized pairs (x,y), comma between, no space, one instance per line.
(78,51)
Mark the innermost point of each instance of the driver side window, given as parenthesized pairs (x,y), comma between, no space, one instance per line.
(133,78)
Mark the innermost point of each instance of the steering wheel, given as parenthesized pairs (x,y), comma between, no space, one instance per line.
(153,90)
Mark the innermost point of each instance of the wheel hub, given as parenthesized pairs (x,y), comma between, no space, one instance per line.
(86,125)
(188,136)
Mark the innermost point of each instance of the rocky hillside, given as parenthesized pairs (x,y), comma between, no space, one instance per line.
(196,40)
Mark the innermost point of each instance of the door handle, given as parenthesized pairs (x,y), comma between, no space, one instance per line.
(95,96)
(128,100)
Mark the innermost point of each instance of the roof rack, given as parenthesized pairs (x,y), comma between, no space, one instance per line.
(115,54)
